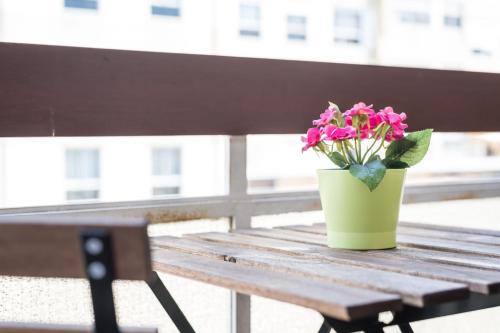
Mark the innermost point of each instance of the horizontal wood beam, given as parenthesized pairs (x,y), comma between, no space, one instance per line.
(70,91)
(183,209)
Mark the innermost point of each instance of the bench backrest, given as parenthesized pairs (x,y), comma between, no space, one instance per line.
(52,247)
(97,249)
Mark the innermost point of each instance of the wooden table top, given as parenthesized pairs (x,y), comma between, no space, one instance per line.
(432,264)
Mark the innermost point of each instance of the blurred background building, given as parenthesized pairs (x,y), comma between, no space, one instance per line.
(442,34)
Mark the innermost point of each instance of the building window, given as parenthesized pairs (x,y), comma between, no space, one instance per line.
(82,174)
(166,170)
(411,17)
(166,8)
(81,4)
(249,20)
(296,27)
(453,14)
(481,52)
(347,26)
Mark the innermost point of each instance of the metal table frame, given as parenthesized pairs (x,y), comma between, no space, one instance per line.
(401,318)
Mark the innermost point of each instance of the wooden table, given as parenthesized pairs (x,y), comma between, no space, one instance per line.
(435,271)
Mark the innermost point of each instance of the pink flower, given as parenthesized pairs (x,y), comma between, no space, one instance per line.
(324,118)
(374,120)
(388,116)
(366,129)
(360,109)
(312,139)
(339,133)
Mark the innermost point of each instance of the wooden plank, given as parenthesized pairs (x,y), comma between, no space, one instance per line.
(454,258)
(338,301)
(44,246)
(319,229)
(478,280)
(198,94)
(451,258)
(413,290)
(449,235)
(454,241)
(285,234)
(449,245)
(474,231)
(52,328)
(406,240)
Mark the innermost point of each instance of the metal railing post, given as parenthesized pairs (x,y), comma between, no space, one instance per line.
(242,218)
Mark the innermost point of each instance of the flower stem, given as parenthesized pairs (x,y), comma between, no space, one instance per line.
(375,138)
(357,141)
(342,151)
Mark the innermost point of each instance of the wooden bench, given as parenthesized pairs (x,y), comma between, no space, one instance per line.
(96,249)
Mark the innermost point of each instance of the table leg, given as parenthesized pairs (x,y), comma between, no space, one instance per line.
(169,304)
(405,328)
(325,328)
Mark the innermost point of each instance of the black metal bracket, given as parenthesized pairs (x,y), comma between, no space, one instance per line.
(411,314)
(169,305)
(99,268)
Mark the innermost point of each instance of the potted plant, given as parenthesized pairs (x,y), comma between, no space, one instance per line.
(361,197)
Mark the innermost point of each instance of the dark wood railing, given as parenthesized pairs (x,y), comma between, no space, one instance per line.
(71,91)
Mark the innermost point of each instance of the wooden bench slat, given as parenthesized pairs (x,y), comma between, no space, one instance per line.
(413,290)
(449,245)
(475,231)
(6,327)
(48,246)
(478,280)
(449,235)
(453,258)
(313,229)
(457,242)
(338,301)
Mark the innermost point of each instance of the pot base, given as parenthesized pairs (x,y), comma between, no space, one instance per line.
(362,241)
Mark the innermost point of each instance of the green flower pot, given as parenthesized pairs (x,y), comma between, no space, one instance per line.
(357,218)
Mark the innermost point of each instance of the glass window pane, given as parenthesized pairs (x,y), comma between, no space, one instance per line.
(453,14)
(296,27)
(166,161)
(158,191)
(82,4)
(249,20)
(82,163)
(82,195)
(166,8)
(347,26)
(414,17)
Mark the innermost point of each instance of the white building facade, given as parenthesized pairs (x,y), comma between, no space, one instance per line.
(449,34)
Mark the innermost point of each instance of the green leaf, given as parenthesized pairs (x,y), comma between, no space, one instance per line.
(398,148)
(338,159)
(395,164)
(373,158)
(411,149)
(371,173)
